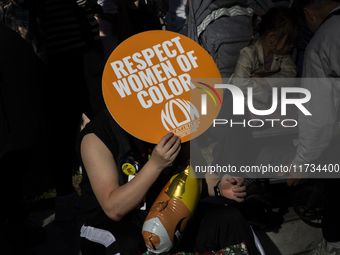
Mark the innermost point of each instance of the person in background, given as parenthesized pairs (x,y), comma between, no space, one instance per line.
(176,17)
(108,18)
(113,23)
(21,125)
(75,63)
(65,35)
(316,143)
(269,56)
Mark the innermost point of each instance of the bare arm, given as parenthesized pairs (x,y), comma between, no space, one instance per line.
(115,200)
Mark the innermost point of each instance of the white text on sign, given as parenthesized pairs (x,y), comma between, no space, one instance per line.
(155,83)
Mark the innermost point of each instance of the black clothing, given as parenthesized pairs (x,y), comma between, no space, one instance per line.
(212,227)
(21,104)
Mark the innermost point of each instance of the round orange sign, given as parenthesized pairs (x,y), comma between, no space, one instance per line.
(149,89)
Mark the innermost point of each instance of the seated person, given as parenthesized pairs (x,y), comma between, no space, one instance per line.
(111,219)
(269,56)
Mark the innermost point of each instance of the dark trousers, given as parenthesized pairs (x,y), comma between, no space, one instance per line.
(331,205)
(212,228)
(331,209)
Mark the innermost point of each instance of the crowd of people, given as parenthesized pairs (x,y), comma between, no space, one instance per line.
(52,57)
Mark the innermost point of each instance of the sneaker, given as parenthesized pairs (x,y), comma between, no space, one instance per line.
(66,207)
(320,250)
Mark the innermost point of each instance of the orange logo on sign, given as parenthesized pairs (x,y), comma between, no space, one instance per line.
(148,90)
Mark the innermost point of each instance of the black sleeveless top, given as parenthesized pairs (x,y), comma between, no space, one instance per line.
(122,146)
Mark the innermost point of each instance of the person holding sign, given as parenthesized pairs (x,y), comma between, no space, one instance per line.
(121,173)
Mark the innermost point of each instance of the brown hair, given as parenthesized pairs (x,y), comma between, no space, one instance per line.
(278,20)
